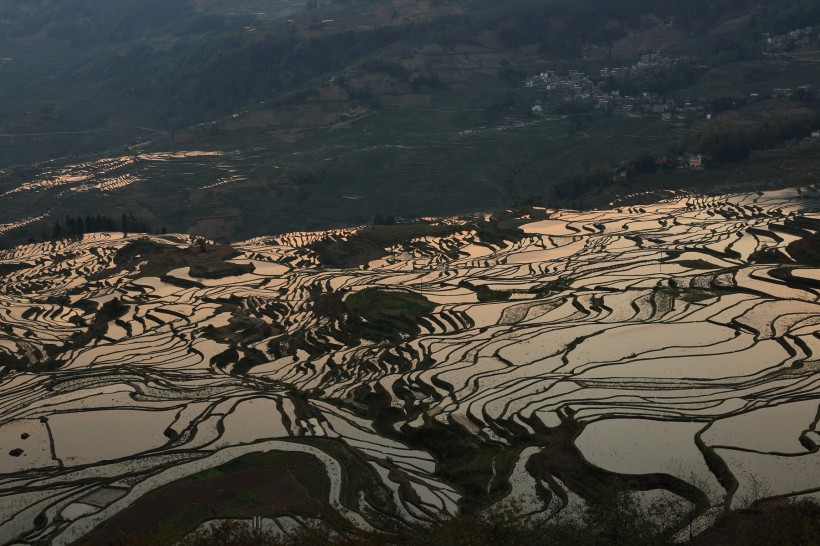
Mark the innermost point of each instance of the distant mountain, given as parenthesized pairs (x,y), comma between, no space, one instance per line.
(234,119)
(173,64)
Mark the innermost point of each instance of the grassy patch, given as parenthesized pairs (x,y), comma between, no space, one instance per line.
(466,463)
(257,484)
(307,470)
(180,523)
(381,314)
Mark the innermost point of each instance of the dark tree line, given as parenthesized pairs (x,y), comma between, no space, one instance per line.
(730,143)
(77,226)
(720,143)
(616,519)
(660,81)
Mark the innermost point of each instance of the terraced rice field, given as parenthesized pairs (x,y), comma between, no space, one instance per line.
(637,342)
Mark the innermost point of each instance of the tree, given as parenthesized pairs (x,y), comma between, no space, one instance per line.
(619,518)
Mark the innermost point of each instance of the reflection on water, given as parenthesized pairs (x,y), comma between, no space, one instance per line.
(645,327)
(643,446)
(106,174)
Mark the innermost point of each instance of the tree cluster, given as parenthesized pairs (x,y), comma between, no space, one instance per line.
(616,520)
(726,143)
(77,226)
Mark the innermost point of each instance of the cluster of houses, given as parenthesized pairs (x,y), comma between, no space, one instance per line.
(578,81)
(695,162)
(648,61)
(686,161)
(788,93)
(780,43)
(577,85)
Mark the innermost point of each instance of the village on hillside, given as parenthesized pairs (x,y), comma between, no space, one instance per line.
(602,90)
(577,85)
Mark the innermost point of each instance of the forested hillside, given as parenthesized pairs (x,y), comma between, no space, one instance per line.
(333,113)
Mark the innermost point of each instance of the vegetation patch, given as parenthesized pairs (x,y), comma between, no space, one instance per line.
(8,268)
(773,523)
(110,311)
(503,227)
(768,256)
(466,463)
(371,243)
(806,250)
(358,476)
(620,521)
(382,314)
(242,329)
(484,293)
(375,314)
(697,264)
(694,296)
(154,259)
(258,484)
(548,288)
